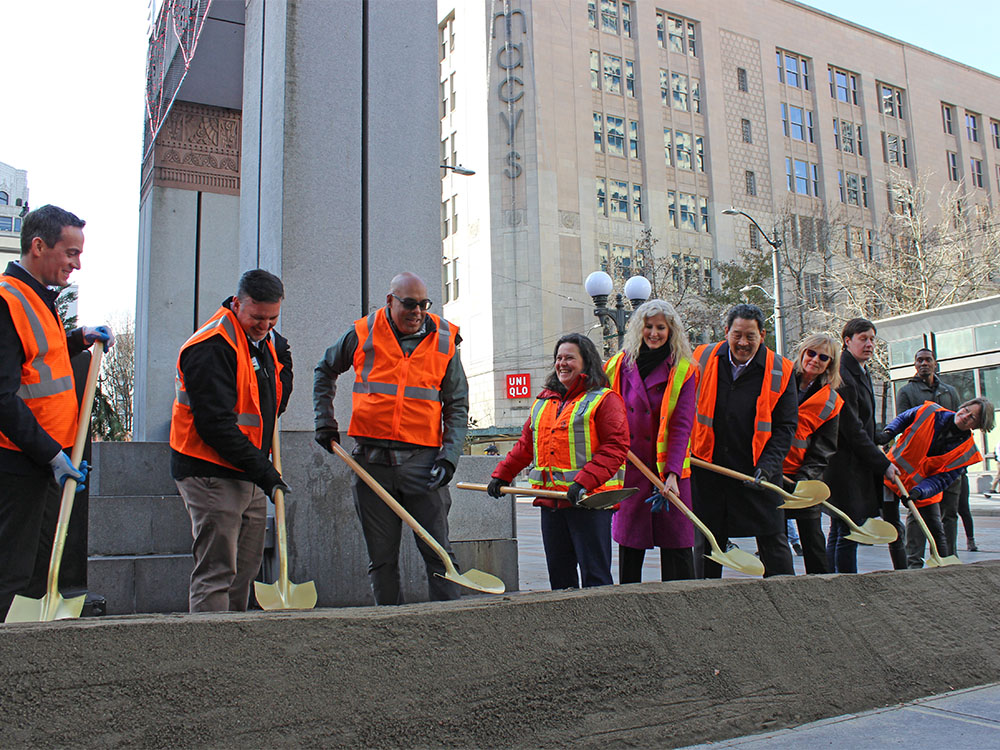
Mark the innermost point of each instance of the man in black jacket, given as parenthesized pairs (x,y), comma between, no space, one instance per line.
(855,472)
(234,377)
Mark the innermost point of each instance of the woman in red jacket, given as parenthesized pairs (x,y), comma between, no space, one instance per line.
(575,440)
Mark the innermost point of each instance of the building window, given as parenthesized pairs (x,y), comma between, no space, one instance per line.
(754,238)
(894,150)
(864,191)
(444,98)
(627,19)
(446,279)
(6,223)
(699,153)
(592,13)
(814,294)
(751,180)
(618,205)
(670,34)
(692,39)
(595,69)
(793,70)
(688,211)
(604,255)
(843,85)
(741,79)
(445,219)
(995,133)
(454,279)
(803,177)
(696,95)
(948,118)
(612,74)
(891,99)
(454,149)
(672,207)
(602,208)
(598,133)
(952,166)
(679,87)
(668,146)
(636,202)
(682,144)
(797,122)
(745,131)
(703,213)
(853,190)
(609,16)
(976,172)
(972,126)
(630,78)
(616,135)
(664,87)
(4,199)
(454,214)
(998,182)
(633,139)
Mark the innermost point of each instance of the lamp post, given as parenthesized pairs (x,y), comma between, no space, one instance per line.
(599,286)
(459,170)
(775,243)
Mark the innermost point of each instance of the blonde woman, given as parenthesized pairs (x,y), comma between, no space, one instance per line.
(817,377)
(657,379)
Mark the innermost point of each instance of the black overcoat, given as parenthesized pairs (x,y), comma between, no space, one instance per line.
(854,474)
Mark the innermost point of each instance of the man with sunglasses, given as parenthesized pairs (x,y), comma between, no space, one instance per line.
(409,416)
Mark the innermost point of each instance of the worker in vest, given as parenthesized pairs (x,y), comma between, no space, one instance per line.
(745,420)
(233,380)
(575,440)
(817,376)
(935,446)
(409,417)
(38,407)
(656,377)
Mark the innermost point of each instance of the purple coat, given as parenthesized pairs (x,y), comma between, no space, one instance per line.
(634,525)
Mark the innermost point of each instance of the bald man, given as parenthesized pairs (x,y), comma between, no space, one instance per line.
(409,416)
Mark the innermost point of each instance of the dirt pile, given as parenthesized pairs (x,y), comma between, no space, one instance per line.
(643,665)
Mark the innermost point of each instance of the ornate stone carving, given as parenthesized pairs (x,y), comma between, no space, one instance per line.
(569,220)
(198,148)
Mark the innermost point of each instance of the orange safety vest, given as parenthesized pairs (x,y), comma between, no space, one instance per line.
(47,386)
(565,442)
(815,411)
(184,438)
(679,375)
(703,434)
(398,397)
(910,454)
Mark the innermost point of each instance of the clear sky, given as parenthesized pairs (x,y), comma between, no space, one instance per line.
(73,109)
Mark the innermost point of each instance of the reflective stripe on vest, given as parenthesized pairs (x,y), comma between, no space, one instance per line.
(579,440)
(678,377)
(910,453)
(47,385)
(815,411)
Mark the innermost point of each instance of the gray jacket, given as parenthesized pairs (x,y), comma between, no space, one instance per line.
(915,392)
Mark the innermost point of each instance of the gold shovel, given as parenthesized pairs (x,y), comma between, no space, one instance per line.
(283,594)
(872,531)
(52,606)
(935,560)
(736,558)
(594,501)
(473,579)
(806,494)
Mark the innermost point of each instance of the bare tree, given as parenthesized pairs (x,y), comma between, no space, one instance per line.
(118,377)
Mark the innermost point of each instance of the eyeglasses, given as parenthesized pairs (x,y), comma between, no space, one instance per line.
(822,357)
(411,304)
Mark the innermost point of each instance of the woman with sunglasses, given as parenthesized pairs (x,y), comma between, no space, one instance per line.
(817,374)
(575,440)
(657,379)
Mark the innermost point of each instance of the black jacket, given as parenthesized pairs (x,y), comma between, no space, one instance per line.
(916,391)
(855,471)
(725,504)
(209,369)
(16,420)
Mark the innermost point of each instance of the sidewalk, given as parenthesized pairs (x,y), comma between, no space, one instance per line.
(962,720)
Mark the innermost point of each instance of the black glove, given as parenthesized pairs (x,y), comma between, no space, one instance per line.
(883,437)
(496,484)
(441,474)
(756,483)
(279,485)
(575,493)
(916,494)
(326,435)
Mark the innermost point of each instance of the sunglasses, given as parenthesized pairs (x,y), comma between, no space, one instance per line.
(411,304)
(822,357)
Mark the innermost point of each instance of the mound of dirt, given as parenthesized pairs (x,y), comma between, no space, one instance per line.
(643,665)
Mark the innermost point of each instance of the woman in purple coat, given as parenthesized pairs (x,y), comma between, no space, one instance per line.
(657,379)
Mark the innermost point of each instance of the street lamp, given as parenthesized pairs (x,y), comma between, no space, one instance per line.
(459,170)
(766,293)
(775,243)
(599,285)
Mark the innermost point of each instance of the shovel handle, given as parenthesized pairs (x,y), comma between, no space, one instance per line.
(920,519)
(733,474)
(279,511)
(511,490)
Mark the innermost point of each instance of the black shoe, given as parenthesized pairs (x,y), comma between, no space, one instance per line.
(971,545)
(797,548)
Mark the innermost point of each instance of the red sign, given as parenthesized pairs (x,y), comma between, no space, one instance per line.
(519,385)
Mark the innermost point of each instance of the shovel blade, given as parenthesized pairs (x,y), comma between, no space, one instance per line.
(854,536)
(940,562)
(884,531)
(476,580)
(806,502)
(812,488)
(46,609)
(607,499)
(738,559)
(289,596)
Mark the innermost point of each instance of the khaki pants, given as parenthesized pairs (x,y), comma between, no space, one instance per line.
(228,520)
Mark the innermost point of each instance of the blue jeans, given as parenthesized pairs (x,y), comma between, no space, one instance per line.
(841,553)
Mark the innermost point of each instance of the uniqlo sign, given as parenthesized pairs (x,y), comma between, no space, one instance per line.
(519,385)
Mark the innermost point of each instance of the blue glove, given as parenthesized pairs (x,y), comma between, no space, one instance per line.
(916,494)
(657,502)
(63,469)
(101,333)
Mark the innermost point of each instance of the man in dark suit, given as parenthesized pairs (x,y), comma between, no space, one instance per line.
(855,471)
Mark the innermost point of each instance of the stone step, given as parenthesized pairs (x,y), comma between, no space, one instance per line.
(141,583)
(139,525)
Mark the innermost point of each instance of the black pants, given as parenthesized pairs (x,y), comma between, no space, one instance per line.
(915,538)
(811,537)
(772,549)
(675,564)
(577,546)
(29,508)
(890,514)
(964,512)
(950,500)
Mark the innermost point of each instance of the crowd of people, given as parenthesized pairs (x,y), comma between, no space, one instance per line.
(734,405)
